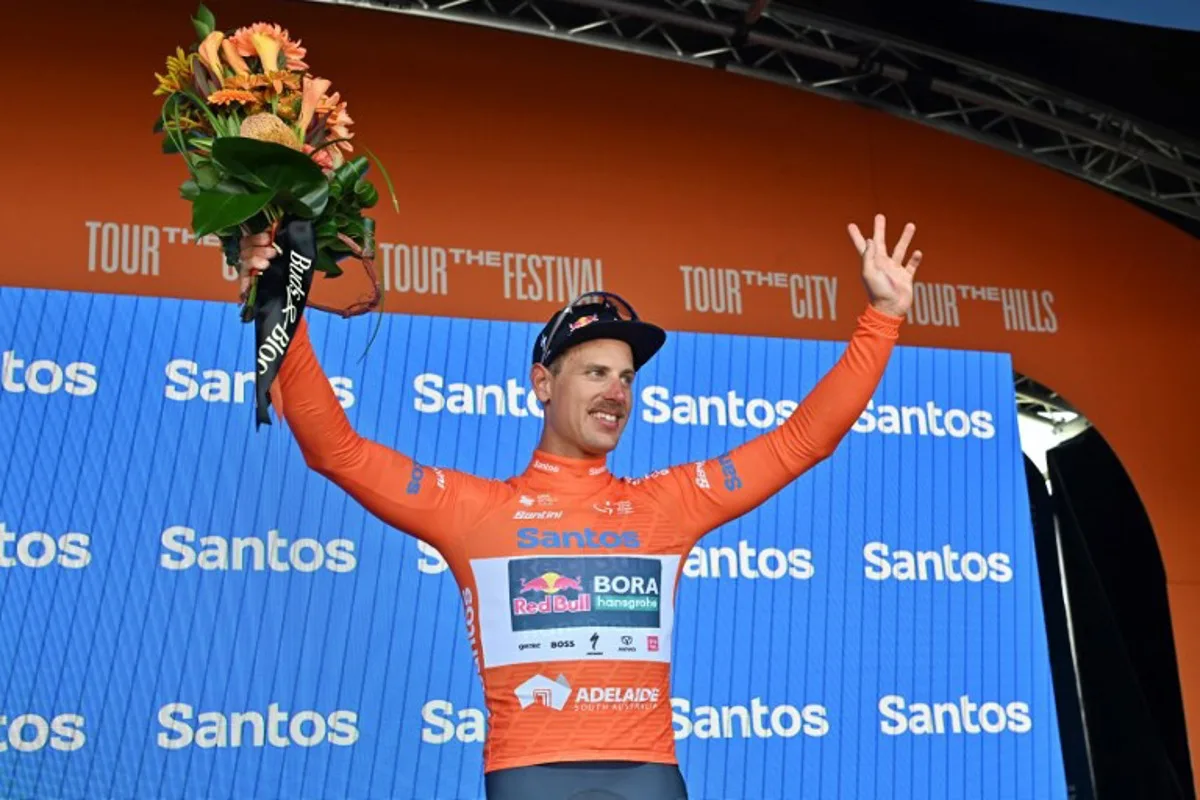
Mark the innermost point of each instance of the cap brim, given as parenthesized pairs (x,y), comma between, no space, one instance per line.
(643,338)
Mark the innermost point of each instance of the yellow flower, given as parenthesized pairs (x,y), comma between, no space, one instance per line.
(179,73)
(210,54)
(233,59)
(314,90)
(267,50)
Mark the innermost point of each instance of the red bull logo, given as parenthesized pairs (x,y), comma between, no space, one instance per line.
(588,320)
(550,585)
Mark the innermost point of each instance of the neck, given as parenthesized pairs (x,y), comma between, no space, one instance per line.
(554,445)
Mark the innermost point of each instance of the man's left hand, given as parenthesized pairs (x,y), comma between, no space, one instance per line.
(889,285)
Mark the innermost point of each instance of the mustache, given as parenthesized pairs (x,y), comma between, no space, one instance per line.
(609,407)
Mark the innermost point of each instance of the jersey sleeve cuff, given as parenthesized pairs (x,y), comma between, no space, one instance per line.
(880,322)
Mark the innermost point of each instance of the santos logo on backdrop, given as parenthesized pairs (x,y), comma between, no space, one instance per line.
(20,375)
(743,560)
(182,727)
(659,405)
(187,381)
(37,550)
(184,549)
(29,733)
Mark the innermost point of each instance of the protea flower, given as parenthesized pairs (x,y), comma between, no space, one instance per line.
(266,127)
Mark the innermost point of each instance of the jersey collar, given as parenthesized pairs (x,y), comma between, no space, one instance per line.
(562,473)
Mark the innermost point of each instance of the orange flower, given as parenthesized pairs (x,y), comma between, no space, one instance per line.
(243,40)
(210,54)
(233,59)
(247,82)
(314,90)
(225,96)
(337,121)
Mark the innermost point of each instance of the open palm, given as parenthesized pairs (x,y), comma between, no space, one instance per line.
(888,279)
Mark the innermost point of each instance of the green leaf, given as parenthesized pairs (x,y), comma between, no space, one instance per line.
(326,228)
(326,264)
(189,190)
(306,202)
(215,210)
(294,180)
(386,178)
(207,176)
(204,22)
(366,193)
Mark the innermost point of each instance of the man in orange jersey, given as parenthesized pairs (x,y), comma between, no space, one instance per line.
(576,675)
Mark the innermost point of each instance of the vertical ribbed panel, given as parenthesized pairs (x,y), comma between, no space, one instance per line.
(165,447)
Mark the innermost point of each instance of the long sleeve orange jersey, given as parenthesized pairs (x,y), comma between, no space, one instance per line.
(568,573)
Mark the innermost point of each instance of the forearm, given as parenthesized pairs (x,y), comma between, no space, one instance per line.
(823,419)
(327,440)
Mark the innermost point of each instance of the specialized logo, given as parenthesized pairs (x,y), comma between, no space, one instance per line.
(587,539)
(584,592)
(541,691)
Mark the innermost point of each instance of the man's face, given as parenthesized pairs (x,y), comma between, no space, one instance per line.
(591,396)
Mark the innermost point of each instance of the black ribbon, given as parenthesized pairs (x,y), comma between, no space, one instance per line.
(280,298)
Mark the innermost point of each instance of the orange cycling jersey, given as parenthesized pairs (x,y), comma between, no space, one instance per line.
(568,573)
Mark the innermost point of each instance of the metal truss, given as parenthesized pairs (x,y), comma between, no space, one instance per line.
(1044,405)
(789,46)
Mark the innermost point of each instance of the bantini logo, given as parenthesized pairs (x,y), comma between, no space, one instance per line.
(540,690)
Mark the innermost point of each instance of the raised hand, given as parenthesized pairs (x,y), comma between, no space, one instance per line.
(889,285)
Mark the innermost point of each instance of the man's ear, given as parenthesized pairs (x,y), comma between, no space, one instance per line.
(542,379)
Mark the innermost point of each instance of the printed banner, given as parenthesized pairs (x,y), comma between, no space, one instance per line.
(189,610)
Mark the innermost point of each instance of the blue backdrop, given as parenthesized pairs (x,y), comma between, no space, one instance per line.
(188,611)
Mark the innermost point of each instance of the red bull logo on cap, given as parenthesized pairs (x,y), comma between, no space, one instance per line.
(582,321)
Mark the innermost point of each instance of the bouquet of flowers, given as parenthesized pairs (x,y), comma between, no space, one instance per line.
(268,148)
